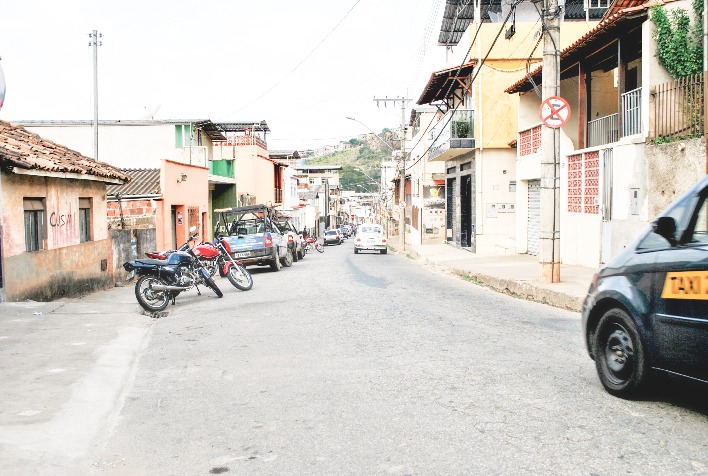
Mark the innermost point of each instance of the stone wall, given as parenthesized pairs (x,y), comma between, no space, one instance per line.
(672,169)
(128,245)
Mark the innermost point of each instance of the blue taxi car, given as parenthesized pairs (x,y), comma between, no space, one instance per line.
(647,309)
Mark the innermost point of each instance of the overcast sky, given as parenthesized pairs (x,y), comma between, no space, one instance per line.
(302,66)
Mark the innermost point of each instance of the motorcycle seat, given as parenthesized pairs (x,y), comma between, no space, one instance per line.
(156,262)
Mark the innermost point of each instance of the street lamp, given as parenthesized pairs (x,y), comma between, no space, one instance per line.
(374,133)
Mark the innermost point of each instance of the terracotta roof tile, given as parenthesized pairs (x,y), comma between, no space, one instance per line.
(27,150)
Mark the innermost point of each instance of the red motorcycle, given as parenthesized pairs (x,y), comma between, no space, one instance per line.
(310,243)
(216,256)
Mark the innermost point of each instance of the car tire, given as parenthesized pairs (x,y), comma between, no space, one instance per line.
(619,353)
(296,255)
(288,260)
(275,265)
(383,252)
(356,251)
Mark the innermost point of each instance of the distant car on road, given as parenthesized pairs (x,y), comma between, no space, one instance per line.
(332,237)
(370,237)
(647,309)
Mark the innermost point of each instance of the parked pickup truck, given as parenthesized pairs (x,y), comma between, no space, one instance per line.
(253,236)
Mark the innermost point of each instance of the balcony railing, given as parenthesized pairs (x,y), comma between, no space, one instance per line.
(196,155)
(453,135)
(678,108)
(603,130)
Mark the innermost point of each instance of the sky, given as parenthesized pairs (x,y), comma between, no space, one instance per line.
(302,66)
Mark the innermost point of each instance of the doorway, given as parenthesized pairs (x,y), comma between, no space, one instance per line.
(466,225)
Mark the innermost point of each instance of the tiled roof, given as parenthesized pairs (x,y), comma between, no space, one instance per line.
(27,150)
(444,82)
(143,182)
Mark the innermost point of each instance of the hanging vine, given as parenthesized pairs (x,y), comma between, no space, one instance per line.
(679,44)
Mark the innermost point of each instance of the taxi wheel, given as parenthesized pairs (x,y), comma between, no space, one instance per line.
(619,354)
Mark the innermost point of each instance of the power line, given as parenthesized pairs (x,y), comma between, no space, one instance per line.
(478,69)
(299,64)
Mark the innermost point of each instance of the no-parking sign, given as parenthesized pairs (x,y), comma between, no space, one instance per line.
(555,112)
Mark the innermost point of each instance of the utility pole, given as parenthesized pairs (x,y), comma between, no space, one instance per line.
(95,43)
(402,167)
(549,255)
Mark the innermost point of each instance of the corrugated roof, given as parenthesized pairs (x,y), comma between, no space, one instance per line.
(27,150)
(143,182)
(284,154)
(241,126)
(458,15)
(211,129)
(605,31)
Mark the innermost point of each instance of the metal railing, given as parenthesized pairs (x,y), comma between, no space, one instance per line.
(632,112)
(678,108)
(603,130)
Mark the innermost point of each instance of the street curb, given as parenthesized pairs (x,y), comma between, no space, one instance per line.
(523,290)
(519,289)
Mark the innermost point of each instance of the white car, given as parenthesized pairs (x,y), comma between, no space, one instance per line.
(370,237)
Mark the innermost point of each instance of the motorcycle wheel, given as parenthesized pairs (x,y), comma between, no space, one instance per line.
(152,301)
(211,284)
(240,277)
(319,247)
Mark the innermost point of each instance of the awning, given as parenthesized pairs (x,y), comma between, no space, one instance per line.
(444,82)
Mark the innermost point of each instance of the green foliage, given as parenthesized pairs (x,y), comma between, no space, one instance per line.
(679,44)
(357,163)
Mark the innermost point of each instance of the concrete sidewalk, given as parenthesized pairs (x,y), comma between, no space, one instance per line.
(514,274)
(65,365)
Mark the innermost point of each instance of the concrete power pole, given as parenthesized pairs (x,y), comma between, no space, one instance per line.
(402,167)
(95,43)
(549,256)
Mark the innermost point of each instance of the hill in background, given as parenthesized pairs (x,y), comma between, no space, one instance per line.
(361,164)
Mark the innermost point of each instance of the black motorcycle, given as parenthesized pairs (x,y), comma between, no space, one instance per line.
(162,280)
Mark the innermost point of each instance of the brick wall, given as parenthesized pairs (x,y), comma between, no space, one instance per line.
(136,213)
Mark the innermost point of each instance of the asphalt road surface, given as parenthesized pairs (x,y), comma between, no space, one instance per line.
(377,364)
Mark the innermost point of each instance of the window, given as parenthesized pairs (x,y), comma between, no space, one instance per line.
(84,219)
(35,223)
(183,135)
(700,229)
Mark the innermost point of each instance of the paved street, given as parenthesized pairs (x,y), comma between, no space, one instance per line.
(342,364)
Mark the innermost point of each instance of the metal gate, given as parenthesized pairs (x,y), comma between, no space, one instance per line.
(534,217)
(606,206)
(450,219)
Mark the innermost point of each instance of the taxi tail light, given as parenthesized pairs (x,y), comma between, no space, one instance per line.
(267,240)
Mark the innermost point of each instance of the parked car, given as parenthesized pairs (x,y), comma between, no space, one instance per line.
(347,230)
(647,309)
(370,237)
(253,236)
(332,237)
(293,237)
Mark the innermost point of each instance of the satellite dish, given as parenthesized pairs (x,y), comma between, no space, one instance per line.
(151,111)
(495,17)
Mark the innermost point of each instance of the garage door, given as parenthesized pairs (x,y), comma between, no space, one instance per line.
(534,220)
